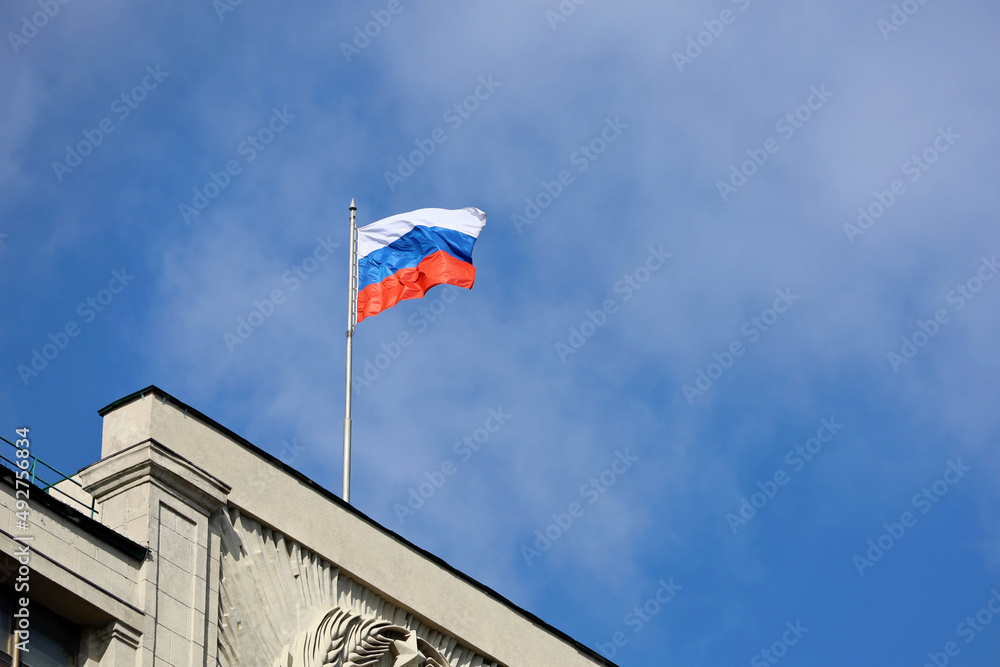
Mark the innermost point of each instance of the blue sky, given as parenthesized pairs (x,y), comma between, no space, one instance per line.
(755,201)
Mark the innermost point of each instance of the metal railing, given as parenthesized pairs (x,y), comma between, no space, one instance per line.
(45,485)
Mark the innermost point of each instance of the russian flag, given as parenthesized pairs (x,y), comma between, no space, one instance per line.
(404,256)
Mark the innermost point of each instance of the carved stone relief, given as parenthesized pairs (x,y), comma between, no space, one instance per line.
(343,639)
(282,605)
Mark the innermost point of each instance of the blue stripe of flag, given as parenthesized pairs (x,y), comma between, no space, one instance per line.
(410,249)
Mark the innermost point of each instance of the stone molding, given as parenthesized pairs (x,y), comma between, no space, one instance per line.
(119,632)
(149,460)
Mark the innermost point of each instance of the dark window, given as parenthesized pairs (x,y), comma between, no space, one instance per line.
(52,640)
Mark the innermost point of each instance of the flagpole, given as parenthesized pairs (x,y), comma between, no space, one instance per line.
(352,318)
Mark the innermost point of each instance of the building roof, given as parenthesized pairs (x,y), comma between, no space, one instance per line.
(190,412)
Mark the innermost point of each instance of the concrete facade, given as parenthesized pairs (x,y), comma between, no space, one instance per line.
(205,550)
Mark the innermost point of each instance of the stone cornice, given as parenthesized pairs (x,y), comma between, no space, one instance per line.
(149,461)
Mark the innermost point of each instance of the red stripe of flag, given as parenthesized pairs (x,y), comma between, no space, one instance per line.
(438,268)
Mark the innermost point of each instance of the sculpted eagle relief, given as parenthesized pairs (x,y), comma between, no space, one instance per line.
(343,639)
(282,605)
